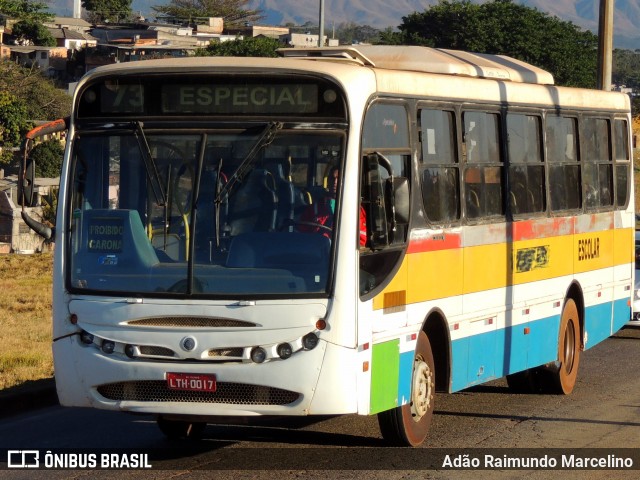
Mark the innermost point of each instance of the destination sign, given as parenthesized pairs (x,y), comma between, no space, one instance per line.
(235,99)
(121,98)
(211,95)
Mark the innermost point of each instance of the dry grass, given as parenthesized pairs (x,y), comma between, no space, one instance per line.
(25,318)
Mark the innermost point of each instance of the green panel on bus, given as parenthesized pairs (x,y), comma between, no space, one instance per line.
(385,367)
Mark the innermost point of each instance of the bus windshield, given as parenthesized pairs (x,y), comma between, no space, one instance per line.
(212,212)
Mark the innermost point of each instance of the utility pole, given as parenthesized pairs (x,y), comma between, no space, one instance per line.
(321,31)
(605,44)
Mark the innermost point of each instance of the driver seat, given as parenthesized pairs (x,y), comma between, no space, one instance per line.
(254,207)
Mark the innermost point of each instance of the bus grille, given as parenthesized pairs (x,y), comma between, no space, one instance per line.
(193,322)
(226,392)
(156,351)
(226,352)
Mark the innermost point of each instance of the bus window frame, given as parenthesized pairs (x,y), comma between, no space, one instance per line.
(584,148)
(391,255)
(423,165)
(571,114)
(626,161)
(539,114)
(490,109)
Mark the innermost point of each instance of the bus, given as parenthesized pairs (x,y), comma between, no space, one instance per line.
(481,227)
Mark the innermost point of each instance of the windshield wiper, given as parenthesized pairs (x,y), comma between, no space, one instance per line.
(265,138)
(150,164)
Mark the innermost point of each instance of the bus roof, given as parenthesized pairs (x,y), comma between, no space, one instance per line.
(429,60)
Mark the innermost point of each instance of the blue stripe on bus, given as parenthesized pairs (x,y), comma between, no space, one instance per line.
(404,379)
(599,329)
(621,313)
(481,358)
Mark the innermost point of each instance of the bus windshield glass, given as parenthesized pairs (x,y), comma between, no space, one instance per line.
(217,212)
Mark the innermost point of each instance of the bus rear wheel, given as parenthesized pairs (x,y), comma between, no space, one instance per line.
(181,429)
(563,378)
(408,425)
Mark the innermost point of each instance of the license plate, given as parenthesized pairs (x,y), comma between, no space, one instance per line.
(191,381)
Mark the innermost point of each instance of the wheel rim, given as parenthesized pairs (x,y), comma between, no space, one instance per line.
(422,390)
(569,347)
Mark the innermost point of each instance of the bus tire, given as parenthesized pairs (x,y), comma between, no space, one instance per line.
(565,375)
(408,425)
(181,429)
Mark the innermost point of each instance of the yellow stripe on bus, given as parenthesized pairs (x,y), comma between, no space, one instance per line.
(446,273)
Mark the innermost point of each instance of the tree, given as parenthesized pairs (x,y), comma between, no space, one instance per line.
(14,124)
(37,93)
(248,47)
(502,27)
(101,11)
(48,157)
(14,120)
(349,32)
(25,95)
(233,12)
(26,10)
(30,32)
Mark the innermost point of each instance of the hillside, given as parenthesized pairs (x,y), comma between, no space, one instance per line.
(382,13)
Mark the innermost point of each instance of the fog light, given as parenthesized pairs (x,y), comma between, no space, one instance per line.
(310,341)
(86,337)
(108,346)
(284,351)
(130,351)
(258,354)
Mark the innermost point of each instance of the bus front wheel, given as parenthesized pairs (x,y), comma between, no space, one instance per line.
(408,425)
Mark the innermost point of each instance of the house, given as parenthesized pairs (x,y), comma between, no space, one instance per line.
(47,59)
(258,30)
(306,40)
(72,39)
(70,23)
(15,235)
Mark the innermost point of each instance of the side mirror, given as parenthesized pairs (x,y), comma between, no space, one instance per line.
(398,188)
(26,184)
(387,198)
(27,176)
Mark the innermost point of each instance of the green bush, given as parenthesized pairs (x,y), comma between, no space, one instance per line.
(48,157)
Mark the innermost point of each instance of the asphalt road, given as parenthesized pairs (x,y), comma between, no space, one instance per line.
(602,413)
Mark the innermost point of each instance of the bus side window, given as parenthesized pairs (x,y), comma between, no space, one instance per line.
(597,173)
(440,175)
(483,171)
(621,155)
(564,168)
(526,167)
(385,172)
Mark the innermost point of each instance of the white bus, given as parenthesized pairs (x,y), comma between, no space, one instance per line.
(205,265)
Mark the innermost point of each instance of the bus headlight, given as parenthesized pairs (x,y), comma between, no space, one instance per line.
(310,341)
(86,337)
(258,354)
(108,346)
(285,350)
(130,351)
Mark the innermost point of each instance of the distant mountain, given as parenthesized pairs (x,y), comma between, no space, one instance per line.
(384,13)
